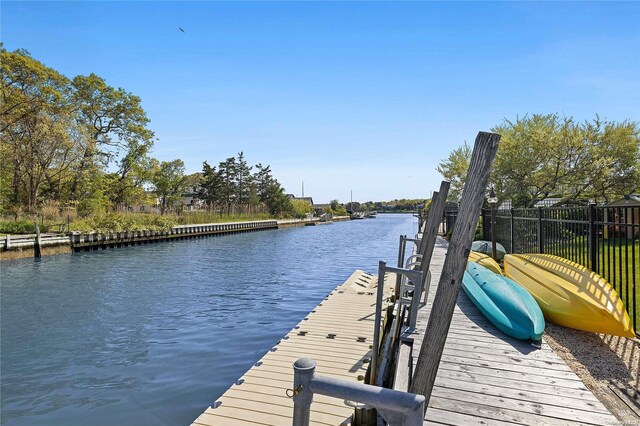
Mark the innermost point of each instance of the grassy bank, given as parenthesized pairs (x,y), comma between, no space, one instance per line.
(121,222)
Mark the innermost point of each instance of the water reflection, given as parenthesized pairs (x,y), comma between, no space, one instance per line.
(153,334)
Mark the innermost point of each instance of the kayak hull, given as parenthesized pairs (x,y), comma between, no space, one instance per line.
(506,304)
(570,294)
(486,247)
(486,261)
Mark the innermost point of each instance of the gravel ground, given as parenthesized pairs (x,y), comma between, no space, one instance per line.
(600,361)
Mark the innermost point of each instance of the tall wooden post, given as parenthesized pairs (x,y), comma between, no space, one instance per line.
(430,231)
(37,252)
(434,218)
(484,152)
(434,196)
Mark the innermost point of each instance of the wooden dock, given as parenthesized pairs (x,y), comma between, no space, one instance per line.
(338,334)
(486,377)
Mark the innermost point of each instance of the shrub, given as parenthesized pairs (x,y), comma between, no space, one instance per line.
(20,226)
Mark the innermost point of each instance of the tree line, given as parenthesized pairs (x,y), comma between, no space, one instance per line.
(86,145)
(543,156)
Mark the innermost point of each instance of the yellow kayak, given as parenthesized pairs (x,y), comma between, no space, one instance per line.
(570,294)
(486,261)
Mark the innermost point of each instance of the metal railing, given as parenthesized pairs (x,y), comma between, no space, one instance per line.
(395,407)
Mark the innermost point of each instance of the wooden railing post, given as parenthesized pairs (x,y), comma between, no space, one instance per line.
(484,152)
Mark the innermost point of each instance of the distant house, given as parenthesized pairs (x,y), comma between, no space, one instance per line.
(307,199)
(631,200)
(321,208)
(626,211)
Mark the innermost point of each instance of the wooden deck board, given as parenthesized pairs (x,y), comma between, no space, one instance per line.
(486,377)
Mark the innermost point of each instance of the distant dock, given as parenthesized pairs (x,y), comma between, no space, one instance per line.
(19,246)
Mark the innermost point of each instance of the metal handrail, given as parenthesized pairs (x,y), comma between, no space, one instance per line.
(395,407)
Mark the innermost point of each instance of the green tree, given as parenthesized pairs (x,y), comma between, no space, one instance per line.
(115,121)
(34,119)
(227,170)
(615,165)
(170,183)
(210,185)
(243,180)
(546,155)
(300,208)
(134,169)
(454,169)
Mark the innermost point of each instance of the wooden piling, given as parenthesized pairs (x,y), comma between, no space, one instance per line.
(37,251)
(484,151)
(430,231)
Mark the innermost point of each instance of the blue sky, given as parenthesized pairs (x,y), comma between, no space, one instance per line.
(355,96)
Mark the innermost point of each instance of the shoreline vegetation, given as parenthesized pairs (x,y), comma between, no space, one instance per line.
(77,157)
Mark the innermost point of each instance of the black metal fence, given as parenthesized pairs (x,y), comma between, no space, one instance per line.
(603,238)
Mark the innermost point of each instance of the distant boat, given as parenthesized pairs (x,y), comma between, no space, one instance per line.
(357,215)
(371,215)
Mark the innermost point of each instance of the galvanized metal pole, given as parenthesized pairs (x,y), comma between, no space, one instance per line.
(378,319)
(401,254)
(303,371)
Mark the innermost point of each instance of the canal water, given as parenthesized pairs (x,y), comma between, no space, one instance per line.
(154,334)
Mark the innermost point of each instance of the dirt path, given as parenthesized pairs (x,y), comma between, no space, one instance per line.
(602,362)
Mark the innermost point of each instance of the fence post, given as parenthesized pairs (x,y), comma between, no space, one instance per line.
(511,239)
(486,232)
(593,250)
(540,236)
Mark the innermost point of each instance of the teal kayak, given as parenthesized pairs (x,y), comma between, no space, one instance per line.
(504,302)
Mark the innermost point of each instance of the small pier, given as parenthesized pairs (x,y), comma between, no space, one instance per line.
(337,334)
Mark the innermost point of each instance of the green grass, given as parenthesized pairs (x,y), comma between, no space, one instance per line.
(122,222)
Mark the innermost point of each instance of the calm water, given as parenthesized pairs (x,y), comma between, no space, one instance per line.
(154,334)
